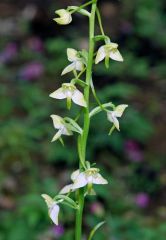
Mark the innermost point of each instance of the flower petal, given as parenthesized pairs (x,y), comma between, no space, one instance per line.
(120,109)
(100,55)
(58,122)
(98,179)
(57,136)
(115,55)
(79,66)
(53,212)
(75,175)
(80,181)
(72,54)
(112,118)
(66,189)
(58,94)
(68,69)
(78,98)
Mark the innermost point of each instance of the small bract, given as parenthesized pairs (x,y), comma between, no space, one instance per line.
(64,17)
(53,208)
(113,115)
(77,61)
(108,51)
(60,124)
(70,92)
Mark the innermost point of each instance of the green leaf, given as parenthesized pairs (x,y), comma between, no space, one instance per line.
(95,229)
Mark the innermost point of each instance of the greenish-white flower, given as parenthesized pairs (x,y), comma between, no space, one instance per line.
(70,92)
(114,115)
(64,17)
(63,128)
(53,208)
(108,51)
(81,179)
(77,62)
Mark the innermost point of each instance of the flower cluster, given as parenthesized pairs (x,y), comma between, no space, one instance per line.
(80,61)
(80,179)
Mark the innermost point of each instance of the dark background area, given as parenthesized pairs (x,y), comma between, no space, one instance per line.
(32,56)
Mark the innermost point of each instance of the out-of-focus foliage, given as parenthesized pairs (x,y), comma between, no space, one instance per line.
(32,56)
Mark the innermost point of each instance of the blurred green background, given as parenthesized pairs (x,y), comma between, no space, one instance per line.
(32,56)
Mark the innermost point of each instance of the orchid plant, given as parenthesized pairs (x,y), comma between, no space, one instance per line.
(81,65)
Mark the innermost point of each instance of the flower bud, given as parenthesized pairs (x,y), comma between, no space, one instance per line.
(64,17)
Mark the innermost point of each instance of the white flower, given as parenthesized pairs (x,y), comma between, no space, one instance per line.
(109,51)
(113,115)
(53,208)
(69,91)
(80,179)
(62,127)
(64,17)
(76,61)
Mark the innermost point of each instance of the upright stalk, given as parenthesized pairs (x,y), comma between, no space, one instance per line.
(83,142)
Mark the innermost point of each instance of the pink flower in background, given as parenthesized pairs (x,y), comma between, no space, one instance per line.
(35,44)
(58,230)
(142,200)
(8,53)
(97,209)
(32,71)
(133,151)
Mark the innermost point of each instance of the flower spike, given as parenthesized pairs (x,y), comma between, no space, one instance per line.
(64,17)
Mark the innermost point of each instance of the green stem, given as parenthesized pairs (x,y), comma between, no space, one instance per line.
(81,7)
(83,142)
(100,22)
